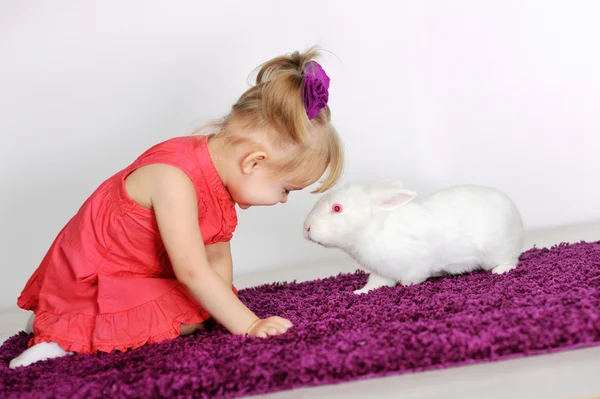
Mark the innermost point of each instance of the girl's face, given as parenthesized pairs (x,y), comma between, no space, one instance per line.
(261,188)
(250,172)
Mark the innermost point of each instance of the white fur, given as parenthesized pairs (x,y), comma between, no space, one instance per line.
(401,239)
(38,352)
(376,281)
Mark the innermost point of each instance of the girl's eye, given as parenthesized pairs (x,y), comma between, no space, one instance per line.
(337,208)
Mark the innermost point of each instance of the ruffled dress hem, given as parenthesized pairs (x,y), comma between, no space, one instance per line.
(156,321)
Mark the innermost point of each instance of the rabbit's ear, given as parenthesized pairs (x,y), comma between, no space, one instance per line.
(390,196)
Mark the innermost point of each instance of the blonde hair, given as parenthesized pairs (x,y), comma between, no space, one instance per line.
(275,104)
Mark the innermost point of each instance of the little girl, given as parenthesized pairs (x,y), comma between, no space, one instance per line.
(147,257)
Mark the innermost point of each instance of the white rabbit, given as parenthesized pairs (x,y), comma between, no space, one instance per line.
(402,240)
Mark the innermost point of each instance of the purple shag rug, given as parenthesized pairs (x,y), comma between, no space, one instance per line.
(550,302)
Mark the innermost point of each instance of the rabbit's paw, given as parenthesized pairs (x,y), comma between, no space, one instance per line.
(501,269)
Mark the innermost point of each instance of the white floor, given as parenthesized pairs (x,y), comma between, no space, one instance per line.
(567,375)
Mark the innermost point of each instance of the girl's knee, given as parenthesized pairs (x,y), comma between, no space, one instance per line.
(189,329)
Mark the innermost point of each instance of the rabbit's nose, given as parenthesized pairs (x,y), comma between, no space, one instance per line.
(307,232)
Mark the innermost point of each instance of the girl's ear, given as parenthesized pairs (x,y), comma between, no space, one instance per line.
(252,161)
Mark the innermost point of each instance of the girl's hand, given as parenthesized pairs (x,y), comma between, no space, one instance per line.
(270,326)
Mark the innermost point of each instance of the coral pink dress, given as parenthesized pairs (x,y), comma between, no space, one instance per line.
(106,282)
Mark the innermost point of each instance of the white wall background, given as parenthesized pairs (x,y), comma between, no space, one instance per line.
(505,93)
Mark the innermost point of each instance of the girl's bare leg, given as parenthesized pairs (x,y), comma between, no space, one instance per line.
(189,329)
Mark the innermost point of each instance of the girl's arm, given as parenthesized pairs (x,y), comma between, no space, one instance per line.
(219,257)
(175,205)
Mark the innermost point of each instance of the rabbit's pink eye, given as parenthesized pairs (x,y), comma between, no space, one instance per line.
(336,208)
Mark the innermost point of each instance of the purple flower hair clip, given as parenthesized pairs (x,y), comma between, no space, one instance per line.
(315,88)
